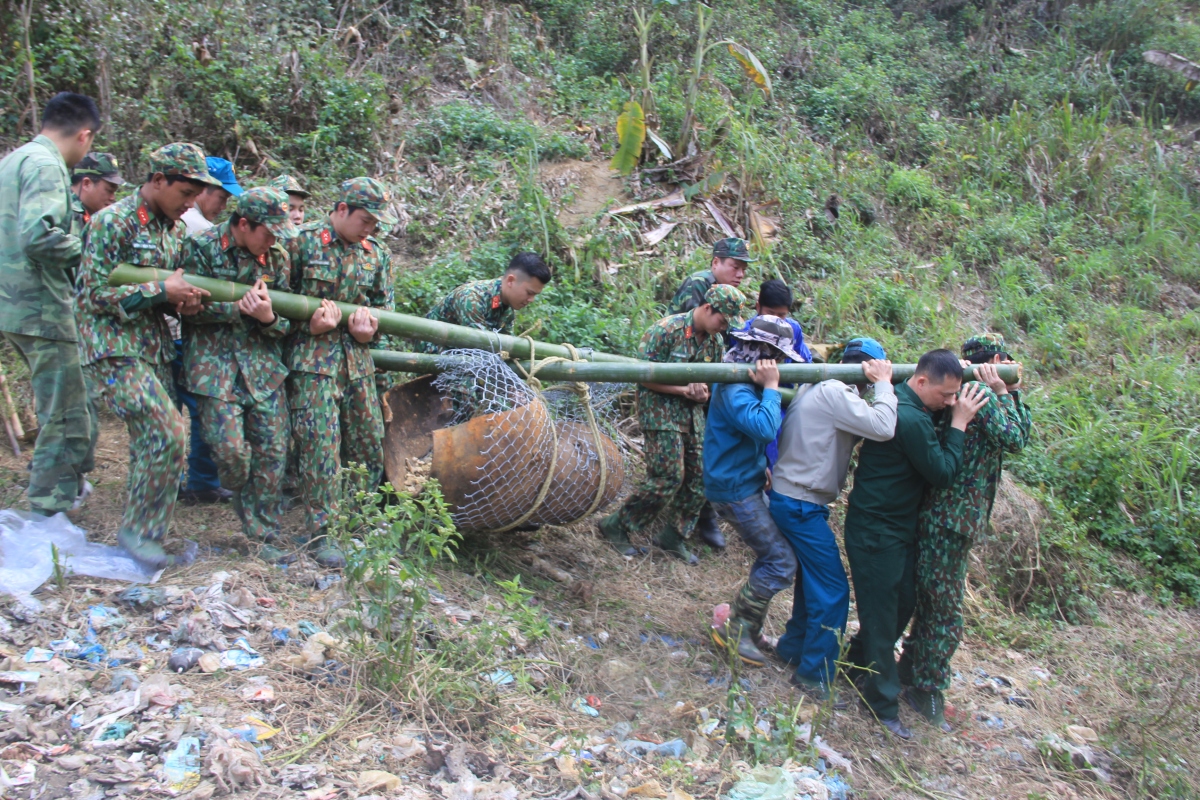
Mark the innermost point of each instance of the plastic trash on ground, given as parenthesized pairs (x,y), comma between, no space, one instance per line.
(27,560)
(763,783)
(182,765)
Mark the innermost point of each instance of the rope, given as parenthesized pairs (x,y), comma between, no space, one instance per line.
(581,389)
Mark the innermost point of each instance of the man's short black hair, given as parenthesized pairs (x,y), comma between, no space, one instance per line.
(531,265)
(775,294)
(77,179)
(174,179)
(235,217)
(69,113)
(937,365)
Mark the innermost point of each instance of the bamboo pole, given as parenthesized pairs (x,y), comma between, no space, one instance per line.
(300,307)
(669,373)
(12,422)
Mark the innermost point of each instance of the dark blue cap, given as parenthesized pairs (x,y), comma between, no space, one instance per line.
(222,170)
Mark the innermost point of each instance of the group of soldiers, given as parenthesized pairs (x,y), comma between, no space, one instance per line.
(267,391)
(262,386)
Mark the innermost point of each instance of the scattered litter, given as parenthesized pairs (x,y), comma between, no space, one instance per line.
(325,581)
(143,597)
(280,635)
(255,731)
(27,556)
(377,779)
(650,788)
(314,652)
(763,783)
(234,763)
(157,690)
(122,680)
(593,701)
(26,776)
(672,749)
(182,765)
(258,694)
(184,659)
(240,658)
(37,655)
(1082,735)
(102,618)
(991,721)
(407,747)
(116,731)
(21,677)
(580,704)
(210,662)
(500,677)
(833,757)
(307,628)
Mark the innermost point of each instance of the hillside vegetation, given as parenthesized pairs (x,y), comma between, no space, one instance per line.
(932,168)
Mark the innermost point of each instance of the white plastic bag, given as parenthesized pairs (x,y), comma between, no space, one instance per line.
(27,560)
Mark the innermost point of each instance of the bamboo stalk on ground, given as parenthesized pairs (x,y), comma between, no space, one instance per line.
(300,307)
(12,422)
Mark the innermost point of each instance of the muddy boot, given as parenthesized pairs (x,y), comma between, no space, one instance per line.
(819,692)
(150,553)
(707,528)
(745,614)
(669,539)
(325,552)
(610,529)
(929,704)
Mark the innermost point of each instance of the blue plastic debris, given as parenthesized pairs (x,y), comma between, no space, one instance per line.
(37,655)
(280,635)
(592,643)
(116,731)
(102,618)
(580,704)
(307,628)
(500,677)
(672,749)
(143,596)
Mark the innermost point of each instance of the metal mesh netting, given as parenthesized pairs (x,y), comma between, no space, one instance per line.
(495,461)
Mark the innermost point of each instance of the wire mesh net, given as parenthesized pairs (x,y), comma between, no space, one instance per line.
(515,455)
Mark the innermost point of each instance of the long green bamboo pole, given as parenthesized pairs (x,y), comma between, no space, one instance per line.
(677,374)
(300,307)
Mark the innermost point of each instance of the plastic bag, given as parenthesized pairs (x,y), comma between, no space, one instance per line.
(763,783)
(27,561)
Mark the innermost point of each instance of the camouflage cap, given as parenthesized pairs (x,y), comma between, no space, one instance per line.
(289,185)
(99,165)
(368,194)
(728,302)
(732,247)
(183,159)
(982,346)
(268,206)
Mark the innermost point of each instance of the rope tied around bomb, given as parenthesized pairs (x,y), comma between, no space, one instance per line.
(583,392)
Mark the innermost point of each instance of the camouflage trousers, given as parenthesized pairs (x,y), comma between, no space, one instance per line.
(334,421)
(140,394)
(249,442)
(937,627)
(673,486)
(67,423)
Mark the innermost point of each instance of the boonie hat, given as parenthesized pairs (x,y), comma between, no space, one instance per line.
(728,302)
(772,330)
(268,206)
(183,159)
(99,165)
(732,247)
(369,194)
(222,170)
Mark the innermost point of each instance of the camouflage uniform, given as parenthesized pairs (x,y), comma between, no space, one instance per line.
(690,293)
(38,257)
(98,167)
(673,427)
(127,347)
(334,406)
(953,519)
(475,305)
(234,364)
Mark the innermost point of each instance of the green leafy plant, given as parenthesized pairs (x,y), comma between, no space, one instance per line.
(631,133)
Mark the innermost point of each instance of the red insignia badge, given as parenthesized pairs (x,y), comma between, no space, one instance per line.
(687,332)
(263,259)
(495,302)
(326,237)
(143,215)
(366,245)
(87,218)
(225,242)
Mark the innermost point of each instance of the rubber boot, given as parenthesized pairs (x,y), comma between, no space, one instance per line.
(707,528)
(746,613)
(150,553)
(610,529)
(929,704)
(325,552)
(669,539)
(819,691)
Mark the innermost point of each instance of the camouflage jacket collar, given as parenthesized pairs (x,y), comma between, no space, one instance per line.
(151,219)
(46,142)
(329,238)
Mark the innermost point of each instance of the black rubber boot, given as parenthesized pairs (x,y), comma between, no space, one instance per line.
(707,528)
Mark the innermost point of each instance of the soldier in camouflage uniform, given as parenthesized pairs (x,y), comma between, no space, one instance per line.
(728,268)
(334,406)
(233,358)
(493,305)
(672,421)
(126,345)
(954,518)
(94,184)
(296,195)
(39,255)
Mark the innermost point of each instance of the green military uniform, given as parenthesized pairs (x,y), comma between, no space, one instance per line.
(673,429)
(475,305)
(880,538)
(127,348)
(38,258)
(690,293)
(234,364)
(98,167)
(952,519)
(335,410)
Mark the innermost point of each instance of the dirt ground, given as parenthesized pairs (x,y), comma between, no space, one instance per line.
(630,633)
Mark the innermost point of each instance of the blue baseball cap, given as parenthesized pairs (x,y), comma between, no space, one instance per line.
(866,346)
(222,170)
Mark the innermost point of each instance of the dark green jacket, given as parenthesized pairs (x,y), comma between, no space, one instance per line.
(892,476)
(38,253)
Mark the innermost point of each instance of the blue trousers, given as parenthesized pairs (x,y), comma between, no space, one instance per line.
(202,470)
(775,566)
(821,601)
